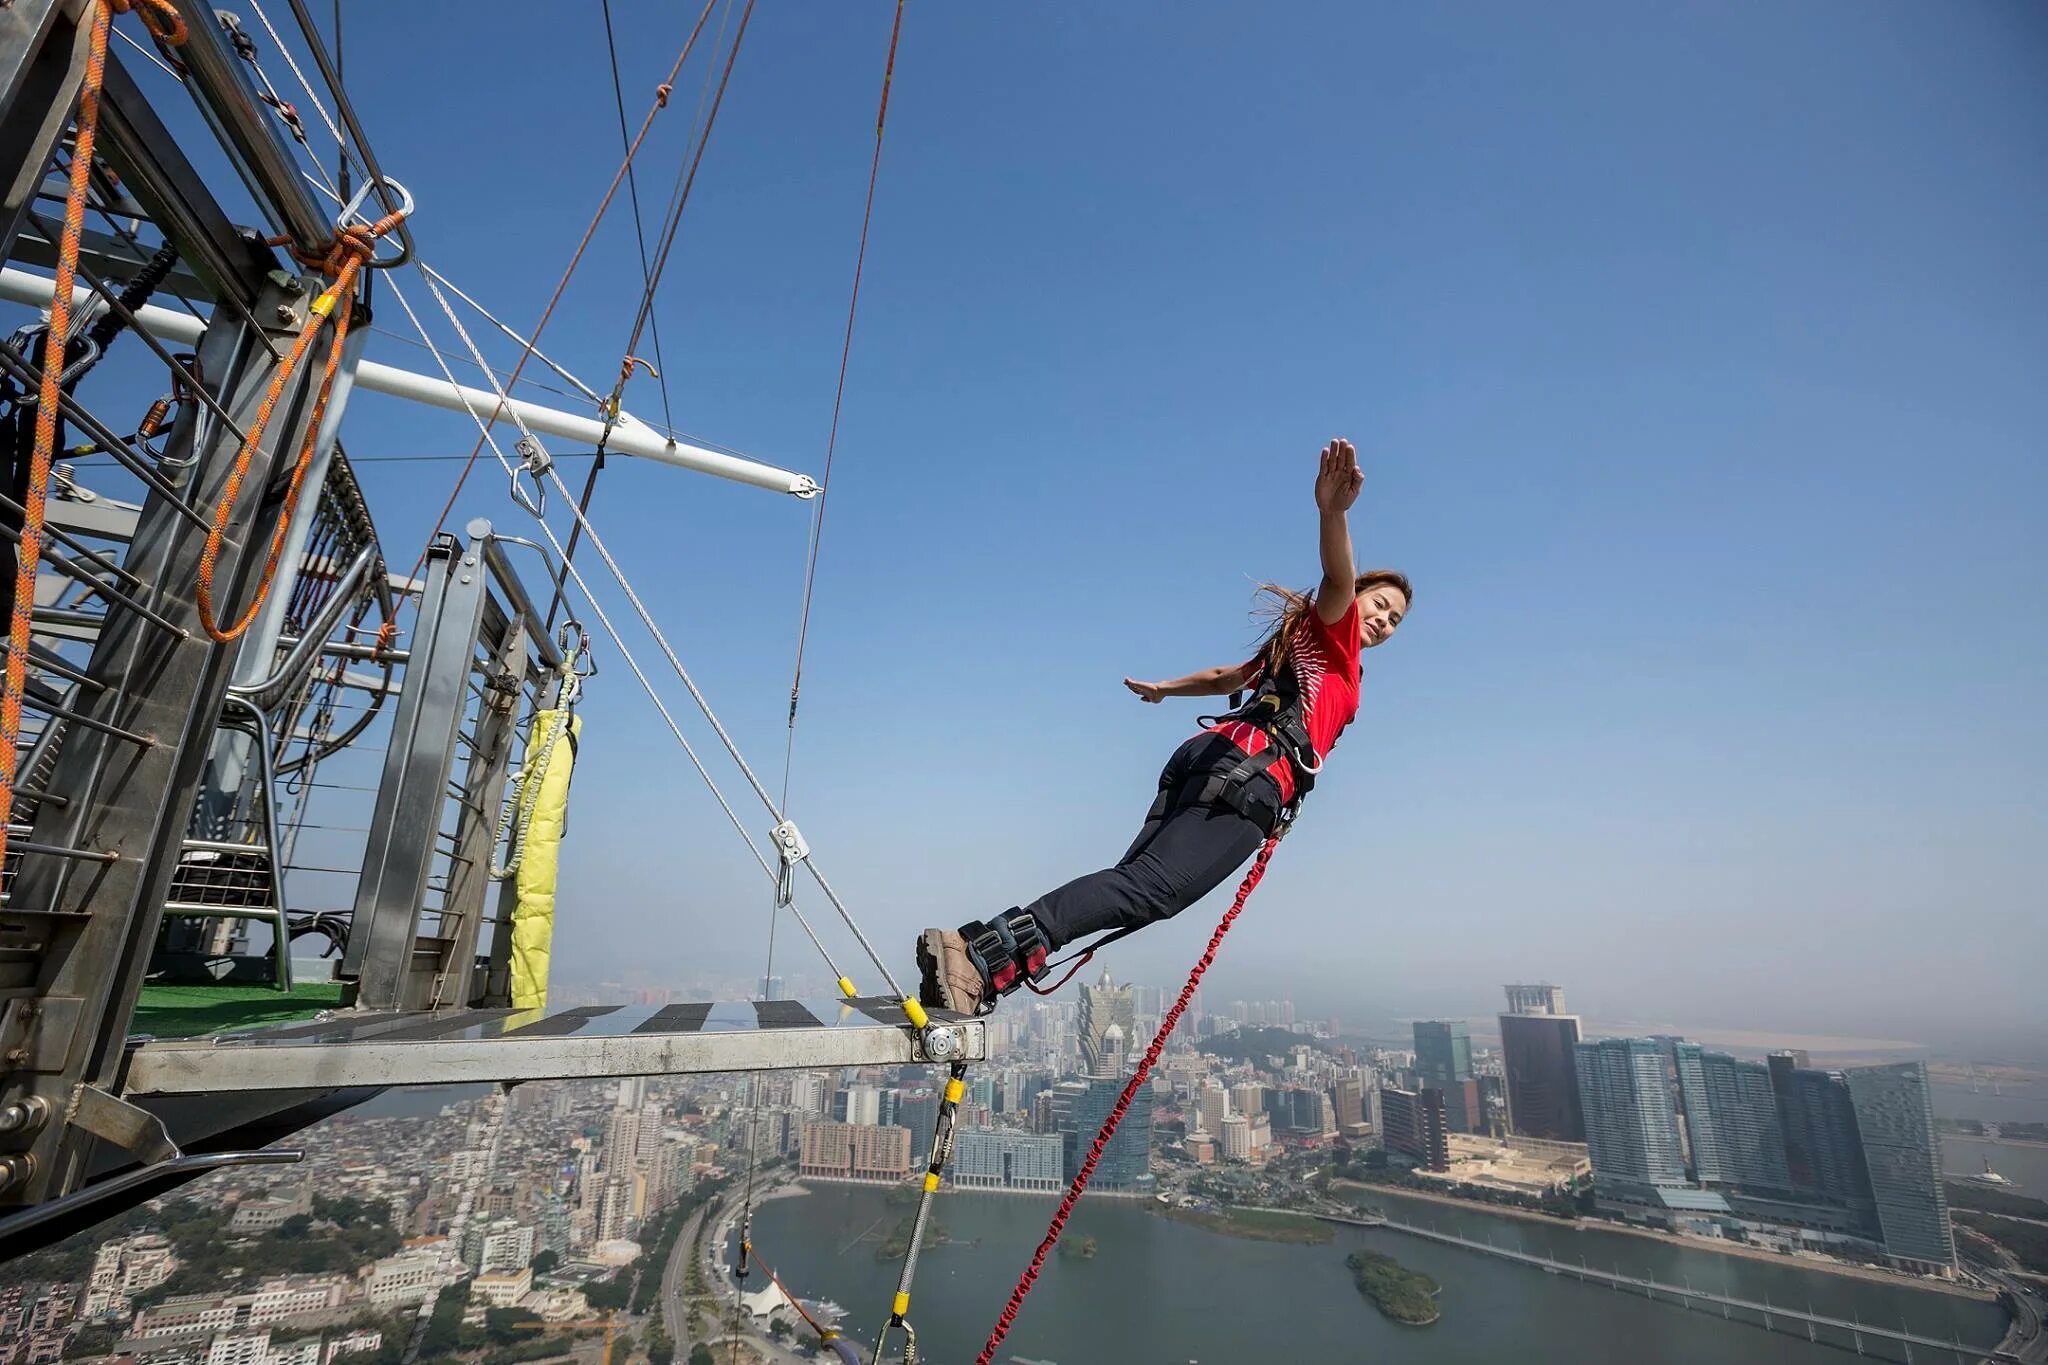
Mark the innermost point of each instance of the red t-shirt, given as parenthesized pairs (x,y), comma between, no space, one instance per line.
(1325,659)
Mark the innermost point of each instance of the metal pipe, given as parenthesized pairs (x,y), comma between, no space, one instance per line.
(269,691)
(515,592)
(266,776)
(342,649)
(222,90)
(16,1225)
(630,437)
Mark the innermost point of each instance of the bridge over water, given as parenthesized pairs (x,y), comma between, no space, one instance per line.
(1849,1334)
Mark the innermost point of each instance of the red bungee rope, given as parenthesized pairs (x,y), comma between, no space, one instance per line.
(1116,1116)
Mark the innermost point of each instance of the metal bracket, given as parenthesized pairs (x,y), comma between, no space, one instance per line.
(134,1130)
(36,1034)
(943,1042)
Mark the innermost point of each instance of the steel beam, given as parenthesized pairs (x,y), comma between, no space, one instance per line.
(42,60)
(220,86)
(212,1066)
(131,804)
(413,791)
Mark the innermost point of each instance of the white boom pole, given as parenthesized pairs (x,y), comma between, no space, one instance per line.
(629,437)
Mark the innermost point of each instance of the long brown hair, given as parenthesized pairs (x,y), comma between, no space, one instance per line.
(1281,609)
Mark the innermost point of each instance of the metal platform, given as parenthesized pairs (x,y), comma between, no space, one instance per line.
(455,1047)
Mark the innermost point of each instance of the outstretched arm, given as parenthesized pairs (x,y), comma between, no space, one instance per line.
(1210,682)
(1338,482)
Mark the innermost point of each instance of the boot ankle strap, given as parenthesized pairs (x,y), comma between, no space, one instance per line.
(1007,950)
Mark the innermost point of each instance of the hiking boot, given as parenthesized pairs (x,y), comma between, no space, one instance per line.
(952,981)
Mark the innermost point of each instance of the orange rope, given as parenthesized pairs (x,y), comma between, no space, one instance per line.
(353,245)
(163,21)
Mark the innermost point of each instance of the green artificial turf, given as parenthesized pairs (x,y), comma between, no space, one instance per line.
(192,1011)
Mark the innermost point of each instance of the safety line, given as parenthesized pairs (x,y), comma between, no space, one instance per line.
(912,1006)
(803,629)
(1139,1078)
(604,619)
(675,216)
(576,258)
(611,49)
(163,21)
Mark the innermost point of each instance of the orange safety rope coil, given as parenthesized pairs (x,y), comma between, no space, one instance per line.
(353,246)
(163,21)
(1116,1116)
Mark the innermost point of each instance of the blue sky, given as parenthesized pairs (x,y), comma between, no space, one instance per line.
(1693,354)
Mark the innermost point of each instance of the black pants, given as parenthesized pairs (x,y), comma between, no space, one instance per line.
(1178,857)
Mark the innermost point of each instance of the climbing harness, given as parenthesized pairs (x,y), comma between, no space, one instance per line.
(1279,708)
(942,1153)
(162,20)
(1139,1078)
(354,246)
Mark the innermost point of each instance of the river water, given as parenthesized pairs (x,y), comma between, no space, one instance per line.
(1164,1293)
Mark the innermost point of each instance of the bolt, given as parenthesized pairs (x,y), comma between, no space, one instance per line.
(16,1168)
(24,1115)
(285,313)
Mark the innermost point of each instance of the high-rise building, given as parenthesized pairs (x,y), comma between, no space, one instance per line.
(1537,1065)
(1126,1162)
(1895,1117)
(1414,1126)
(1000,1159)
(1105,1005)
(1348,1096)
(1544,999)
(1443,1052)
(1247,1098)
(1631,1127)
(847,1151)
(1237,1138)
(1212,1106)
(1731,1112)
(864,1105)
(1823,1151)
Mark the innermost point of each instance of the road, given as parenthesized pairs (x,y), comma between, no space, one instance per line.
(2026,1339)
(716,1277)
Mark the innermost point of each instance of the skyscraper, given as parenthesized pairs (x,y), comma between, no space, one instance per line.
(1415,1128)
(1823,1150)
(1443,1052)
(1731,1110)
(1104,1005)
(1443,1062)
(1536,1042)
(1631,1128)
(1126,1162)
(1543,999)
(1895,1117)
(998,1159)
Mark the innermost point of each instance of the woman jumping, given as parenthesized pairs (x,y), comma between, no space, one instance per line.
(1225,791)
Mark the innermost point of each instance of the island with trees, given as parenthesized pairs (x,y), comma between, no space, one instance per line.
(1407,1296)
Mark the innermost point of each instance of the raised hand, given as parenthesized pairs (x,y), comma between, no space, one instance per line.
(1338,478)
(1152,692)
